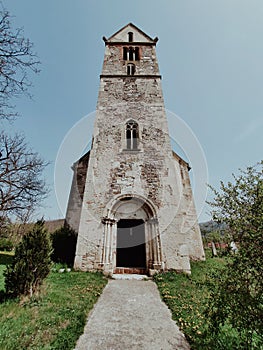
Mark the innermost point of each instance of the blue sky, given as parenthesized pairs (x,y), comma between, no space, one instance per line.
(210,54)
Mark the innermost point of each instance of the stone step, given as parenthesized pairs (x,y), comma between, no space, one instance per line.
(130,270)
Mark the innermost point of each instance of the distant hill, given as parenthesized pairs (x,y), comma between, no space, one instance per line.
(50,225)
(210,226)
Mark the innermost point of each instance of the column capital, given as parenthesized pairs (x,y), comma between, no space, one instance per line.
(153,221)
(108,221)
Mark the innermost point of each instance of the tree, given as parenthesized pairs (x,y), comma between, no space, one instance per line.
(238,300)
(21,184)
(17,60)
(64,242)
(31,263)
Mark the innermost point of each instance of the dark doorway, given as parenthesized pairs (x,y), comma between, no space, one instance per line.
(131,250)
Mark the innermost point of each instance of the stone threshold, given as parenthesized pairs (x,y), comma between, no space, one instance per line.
(130,276)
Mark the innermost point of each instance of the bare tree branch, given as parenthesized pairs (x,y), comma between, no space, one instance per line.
(17,61)
(22,187)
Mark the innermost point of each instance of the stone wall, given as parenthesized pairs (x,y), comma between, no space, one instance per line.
(77,192)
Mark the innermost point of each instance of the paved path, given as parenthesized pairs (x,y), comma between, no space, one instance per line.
(130,315)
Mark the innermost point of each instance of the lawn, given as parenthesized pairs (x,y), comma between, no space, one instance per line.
(54,320)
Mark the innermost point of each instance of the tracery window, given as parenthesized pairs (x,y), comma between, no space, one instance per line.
(132,135)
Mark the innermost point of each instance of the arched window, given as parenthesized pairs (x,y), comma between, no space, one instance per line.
(132,135)
(130,37)
(130,69)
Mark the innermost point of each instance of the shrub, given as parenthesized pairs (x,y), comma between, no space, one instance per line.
(237,299)
(31,263)
(64,242)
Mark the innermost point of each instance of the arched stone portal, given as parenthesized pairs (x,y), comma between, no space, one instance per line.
(131,240)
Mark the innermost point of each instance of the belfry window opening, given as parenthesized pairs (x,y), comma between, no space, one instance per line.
(131,54)
(132,134)
(125,53)
(136,54)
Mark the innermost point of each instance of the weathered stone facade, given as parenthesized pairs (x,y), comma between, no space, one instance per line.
(136,209)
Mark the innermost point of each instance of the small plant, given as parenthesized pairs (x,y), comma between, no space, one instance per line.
(31,263)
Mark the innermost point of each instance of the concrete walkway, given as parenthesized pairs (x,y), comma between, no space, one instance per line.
(130,315)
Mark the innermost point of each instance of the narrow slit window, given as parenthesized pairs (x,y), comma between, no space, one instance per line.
(132,135)
(130,69)
(130,37)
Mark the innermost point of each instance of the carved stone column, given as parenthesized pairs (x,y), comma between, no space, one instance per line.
(156,244)
(149,247)
(109,241)
(114,243)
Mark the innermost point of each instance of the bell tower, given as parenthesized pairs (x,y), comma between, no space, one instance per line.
(134,210)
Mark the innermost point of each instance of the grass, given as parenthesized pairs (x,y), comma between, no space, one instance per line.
(188,298)
(56,318)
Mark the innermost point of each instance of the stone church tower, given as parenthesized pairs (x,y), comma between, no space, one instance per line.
(131,200)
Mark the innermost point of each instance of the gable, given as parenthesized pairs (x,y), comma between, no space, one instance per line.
(138,35)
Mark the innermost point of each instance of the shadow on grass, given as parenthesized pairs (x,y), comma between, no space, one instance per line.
(5,258)
(3,296)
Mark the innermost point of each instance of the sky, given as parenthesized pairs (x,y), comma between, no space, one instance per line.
(210,55)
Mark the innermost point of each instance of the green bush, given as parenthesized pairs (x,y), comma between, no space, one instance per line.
(31,263)
(64,242)
(6,244)
(237,299)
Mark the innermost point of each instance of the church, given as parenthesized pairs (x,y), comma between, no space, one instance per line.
(131,201)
